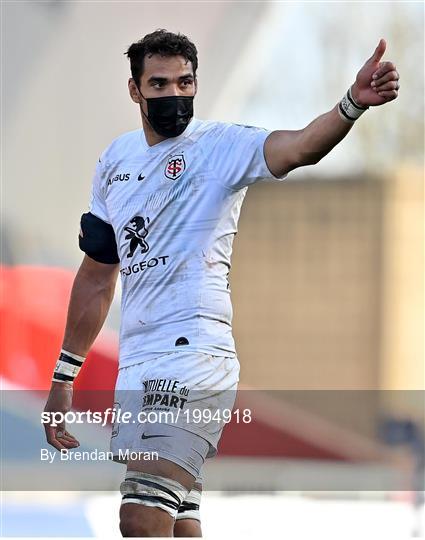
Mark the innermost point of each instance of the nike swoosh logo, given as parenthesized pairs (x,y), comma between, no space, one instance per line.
(140,178)
(152,436)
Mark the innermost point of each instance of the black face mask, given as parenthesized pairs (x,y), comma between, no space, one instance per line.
(169,116)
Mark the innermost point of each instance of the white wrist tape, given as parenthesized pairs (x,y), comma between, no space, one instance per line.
(348,109)
(67,367)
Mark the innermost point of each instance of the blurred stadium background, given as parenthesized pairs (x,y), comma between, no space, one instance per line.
(327,273)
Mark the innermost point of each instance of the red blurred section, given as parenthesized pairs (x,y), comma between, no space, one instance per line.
(33,309)
(257,439)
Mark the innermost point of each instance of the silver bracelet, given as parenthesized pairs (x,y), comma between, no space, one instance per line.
(348,109)
(67,367)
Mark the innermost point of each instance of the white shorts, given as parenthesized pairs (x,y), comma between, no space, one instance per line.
(176,405)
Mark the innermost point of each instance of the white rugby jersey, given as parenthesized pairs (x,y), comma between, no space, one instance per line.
(174,208)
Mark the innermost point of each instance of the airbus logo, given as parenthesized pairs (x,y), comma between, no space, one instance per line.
(119,178)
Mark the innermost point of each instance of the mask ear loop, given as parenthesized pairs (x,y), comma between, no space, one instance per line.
(141,107)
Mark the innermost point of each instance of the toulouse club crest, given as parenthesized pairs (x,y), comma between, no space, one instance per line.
(175,166)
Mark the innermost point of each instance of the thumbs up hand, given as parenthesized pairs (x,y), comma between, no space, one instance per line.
(377,82)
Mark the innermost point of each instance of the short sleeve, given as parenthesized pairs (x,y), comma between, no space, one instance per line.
(97,204)
(237,155)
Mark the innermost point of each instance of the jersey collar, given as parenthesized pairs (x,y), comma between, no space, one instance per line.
(166,143)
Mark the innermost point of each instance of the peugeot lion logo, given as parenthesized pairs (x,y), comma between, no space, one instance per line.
(137,233)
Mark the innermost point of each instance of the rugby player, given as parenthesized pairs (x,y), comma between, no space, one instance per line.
(163,214)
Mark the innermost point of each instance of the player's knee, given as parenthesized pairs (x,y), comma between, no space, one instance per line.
(131,527)
(146,524)
(187,528)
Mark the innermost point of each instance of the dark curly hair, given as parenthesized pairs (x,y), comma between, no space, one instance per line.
(163,43)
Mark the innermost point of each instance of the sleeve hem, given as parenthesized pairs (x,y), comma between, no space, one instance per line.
(271,175)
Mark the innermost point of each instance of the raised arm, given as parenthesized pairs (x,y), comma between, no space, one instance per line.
(376,83)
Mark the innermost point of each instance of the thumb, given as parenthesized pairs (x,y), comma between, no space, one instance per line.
(379,51)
